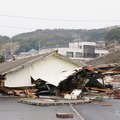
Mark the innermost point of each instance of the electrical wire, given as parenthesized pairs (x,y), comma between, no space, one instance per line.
(49,19)
(15,27)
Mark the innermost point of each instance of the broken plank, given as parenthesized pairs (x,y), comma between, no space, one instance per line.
(64,115)
(19,93)
(107,104)
(30,94)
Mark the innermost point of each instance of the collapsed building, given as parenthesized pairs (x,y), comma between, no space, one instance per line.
(54,74)
(20,74)
(110,64)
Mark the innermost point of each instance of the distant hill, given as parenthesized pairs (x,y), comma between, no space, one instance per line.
(57,37)
(54,38)
(3,40)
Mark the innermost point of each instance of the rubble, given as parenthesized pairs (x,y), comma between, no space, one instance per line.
(75,94)
(64,115)
(51,102)
(86,82)
(107,104)
(93,82)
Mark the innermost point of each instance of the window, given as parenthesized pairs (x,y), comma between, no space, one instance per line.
(102,54)
(70,54)
(97,55)
(80,47)
(78,54)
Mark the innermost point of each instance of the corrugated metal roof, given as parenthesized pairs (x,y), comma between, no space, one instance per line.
(8,65)
(55,80)
(19,63)
(112,57)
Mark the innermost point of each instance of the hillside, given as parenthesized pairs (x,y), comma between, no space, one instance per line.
(57,37)
(52,38)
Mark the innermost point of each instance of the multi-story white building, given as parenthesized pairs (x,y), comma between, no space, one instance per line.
(79,51)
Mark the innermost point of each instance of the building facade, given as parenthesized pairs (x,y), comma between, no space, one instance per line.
(50,67)
(79,51)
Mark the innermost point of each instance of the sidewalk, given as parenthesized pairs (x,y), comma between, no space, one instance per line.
(51,102)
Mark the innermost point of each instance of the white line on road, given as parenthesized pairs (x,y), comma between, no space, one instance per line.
(80,117)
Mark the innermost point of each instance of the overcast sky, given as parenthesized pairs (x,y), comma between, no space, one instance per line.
(18,16)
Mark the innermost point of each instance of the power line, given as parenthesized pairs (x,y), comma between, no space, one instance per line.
(64,20)
(16,27)
(47,19)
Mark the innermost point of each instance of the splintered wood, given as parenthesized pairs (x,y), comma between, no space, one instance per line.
(25,93)
(30,93)
(100,89)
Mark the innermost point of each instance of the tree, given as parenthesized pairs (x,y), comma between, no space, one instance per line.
(113,34)
(8,47)
(1,58)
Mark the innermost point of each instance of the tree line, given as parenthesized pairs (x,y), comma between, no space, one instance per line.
(55,38)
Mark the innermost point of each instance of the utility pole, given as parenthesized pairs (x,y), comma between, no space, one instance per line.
(11,47)
(39,46)
(78,40)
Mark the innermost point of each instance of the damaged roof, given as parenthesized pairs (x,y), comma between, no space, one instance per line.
(16,64)
(112,57)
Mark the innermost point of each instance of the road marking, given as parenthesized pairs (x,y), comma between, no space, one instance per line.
(80,117)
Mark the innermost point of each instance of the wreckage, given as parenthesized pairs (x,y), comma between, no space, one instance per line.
(54,74)
(16,76)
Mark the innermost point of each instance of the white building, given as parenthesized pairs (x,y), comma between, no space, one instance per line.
(79,51)
(50,67)
(29,53)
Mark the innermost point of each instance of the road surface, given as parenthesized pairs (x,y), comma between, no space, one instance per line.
(10,109)
(98,111)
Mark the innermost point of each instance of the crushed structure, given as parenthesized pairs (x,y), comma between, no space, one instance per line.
(55,74)
(31,74)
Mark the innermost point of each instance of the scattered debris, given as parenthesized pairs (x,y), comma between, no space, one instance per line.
(64,115)
(107,104)
(117,93)
(94,83)
(51,102)
(75,94)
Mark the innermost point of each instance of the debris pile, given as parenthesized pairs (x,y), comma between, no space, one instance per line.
(64,115)
(87,81)
(100,81)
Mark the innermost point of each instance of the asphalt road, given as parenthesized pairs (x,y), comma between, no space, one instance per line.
(98,111)
(10,109)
